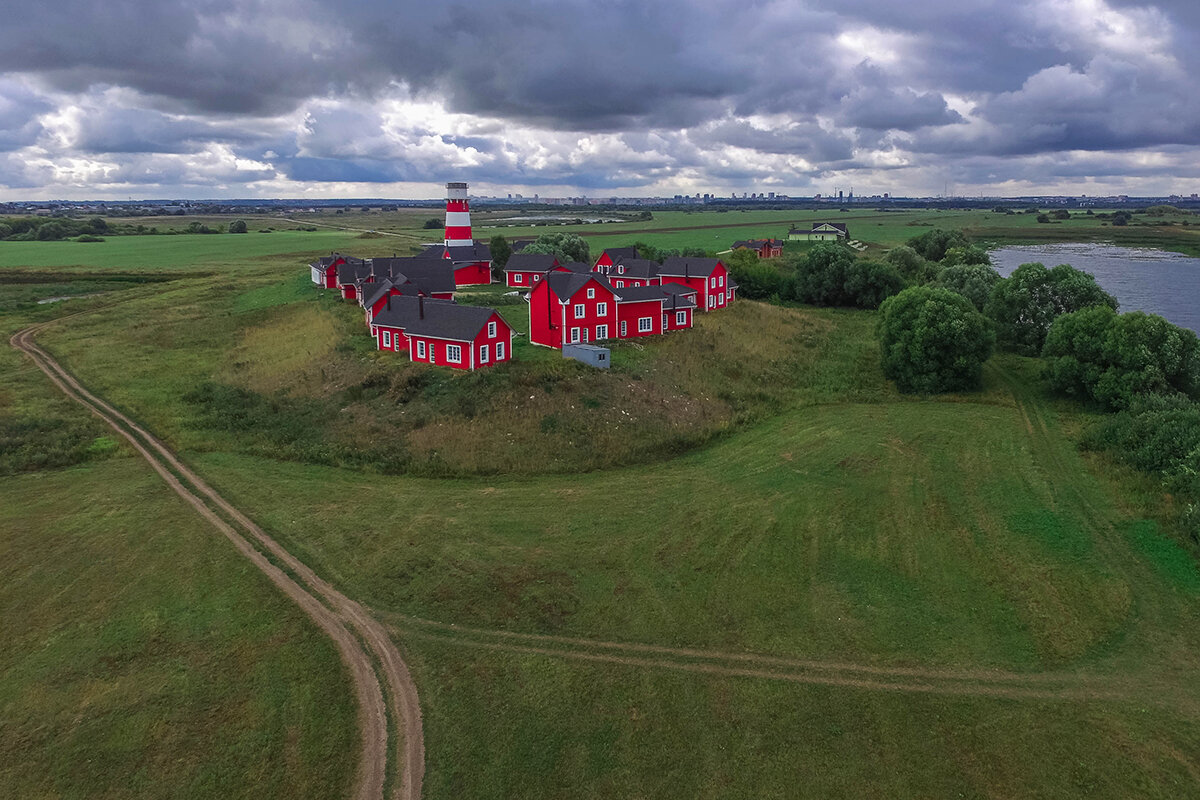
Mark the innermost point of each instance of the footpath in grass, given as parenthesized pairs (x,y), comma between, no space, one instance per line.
(143,657)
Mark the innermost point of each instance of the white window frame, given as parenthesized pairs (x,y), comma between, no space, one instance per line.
(712,282)
(580,311)
(387,339)
(602,309)
(574,336)
(621,270)
(645,324)
(537,278)
(620,284)
(591,295)
(518,277)
(681,318)
(721,281)
(499,351)
(454,353)
(421,348)
(483,354)
(601,332)
(624,329)
(492,330)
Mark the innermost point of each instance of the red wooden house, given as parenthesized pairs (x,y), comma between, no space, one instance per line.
(708,276)
(443,333)
(612,255)
(633,272)
(764,248)
(472,263)
(325,269)
(640,311)
(572,307)
(523,270)
(679,306)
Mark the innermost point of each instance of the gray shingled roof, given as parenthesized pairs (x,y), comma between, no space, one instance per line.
(577,266)
(638,294)
(530,262)
(617,253)
(438,319)
(680,266)
(429,274)
(473,252)
(566,284)
(642,268)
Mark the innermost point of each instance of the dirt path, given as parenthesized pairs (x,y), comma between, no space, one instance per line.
(382,683)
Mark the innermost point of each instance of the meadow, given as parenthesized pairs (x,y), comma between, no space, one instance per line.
(809,586)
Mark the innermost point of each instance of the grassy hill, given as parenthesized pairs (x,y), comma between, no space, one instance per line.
(776,577)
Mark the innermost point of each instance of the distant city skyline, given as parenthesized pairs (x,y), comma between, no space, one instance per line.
(310,98)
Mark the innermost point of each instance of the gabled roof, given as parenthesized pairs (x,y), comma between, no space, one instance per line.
(520,244)
(617,253)
(444,320)
(841,226)
(566,285)
(433,251)
(478,251)
(376,291)
(757,244)
(635,268)
(686,266)
(576,266)
(640,294)
(429,274)
(678,288)
(402,310)
(530,262)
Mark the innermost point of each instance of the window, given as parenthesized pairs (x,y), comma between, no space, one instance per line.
(712,282)
(720,280)
(591,292)
(420,349)
(579,311)
(574,335)
(681,318)
(584,339)
(666,321)
(624,330)
(601,332)
(454,353)
(712,301)
(537,278)
(491,330)
(620,284)
(645,324)
(483,354)
(499,351)
(601,308)
(518,278)
(387,338)
(621,270)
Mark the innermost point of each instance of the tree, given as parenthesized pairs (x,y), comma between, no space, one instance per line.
(932,245)
(237,226)
(933,340)
(433,223)
(5,230)
(910,264)
(564,246)
(973,281)
(97,225)
(830,275)
(1043,218)
(1098,354)
(501,251)
(51,231)
(756,279)
(1024,305)
(970,254)
(869,283)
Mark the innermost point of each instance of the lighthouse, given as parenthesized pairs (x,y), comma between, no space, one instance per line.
(458,216)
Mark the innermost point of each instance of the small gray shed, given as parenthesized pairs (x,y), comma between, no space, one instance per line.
(589,354)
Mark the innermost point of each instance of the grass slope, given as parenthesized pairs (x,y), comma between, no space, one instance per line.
(144,658)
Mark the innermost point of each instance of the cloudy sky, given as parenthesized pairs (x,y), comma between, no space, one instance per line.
(365,98)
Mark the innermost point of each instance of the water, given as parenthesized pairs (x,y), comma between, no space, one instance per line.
(1154,281)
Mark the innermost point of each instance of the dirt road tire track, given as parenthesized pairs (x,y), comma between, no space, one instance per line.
(342,619)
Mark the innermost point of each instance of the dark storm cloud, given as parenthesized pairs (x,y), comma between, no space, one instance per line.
(684,87)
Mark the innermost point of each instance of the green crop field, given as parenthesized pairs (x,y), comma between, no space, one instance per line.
(771,576)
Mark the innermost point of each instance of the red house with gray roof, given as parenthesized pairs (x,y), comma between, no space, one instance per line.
(442,332)
(708,276)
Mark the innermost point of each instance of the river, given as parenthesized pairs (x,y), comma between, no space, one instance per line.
(1154,281)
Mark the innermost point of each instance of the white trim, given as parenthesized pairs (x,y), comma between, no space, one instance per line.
(483,354)
(602,309)
(601,332)
(591,293)
(421,349)
(624,330)
(580,311)
(574,336)
(499,351)
(648,327)
(458,359)
(681,317)
(491,329)
(387,339)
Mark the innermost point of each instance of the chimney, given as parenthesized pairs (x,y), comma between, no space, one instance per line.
(458,216)
(420,306)
(389,301)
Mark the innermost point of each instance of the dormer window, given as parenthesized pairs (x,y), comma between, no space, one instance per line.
(621,270)
(591,293)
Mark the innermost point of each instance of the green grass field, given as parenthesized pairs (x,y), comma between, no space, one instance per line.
(966,605)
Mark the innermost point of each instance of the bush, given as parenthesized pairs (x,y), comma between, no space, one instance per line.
(501,252)
(51,232)
(933,340)
(869,283)
(1097,354)
(237,226)
(973,281)
(1157,434)
(433,223)
(830,275)
(968,254)
(87,237)
(1024,305)
(756,280)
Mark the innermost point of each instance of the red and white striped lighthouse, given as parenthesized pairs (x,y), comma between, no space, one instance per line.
(458,216)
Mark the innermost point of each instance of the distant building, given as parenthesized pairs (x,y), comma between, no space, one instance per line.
(821,232)
(765,248)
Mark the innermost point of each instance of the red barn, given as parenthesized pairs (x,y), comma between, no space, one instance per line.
(763,248)
(523,270)
(708,276)
(572,307)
